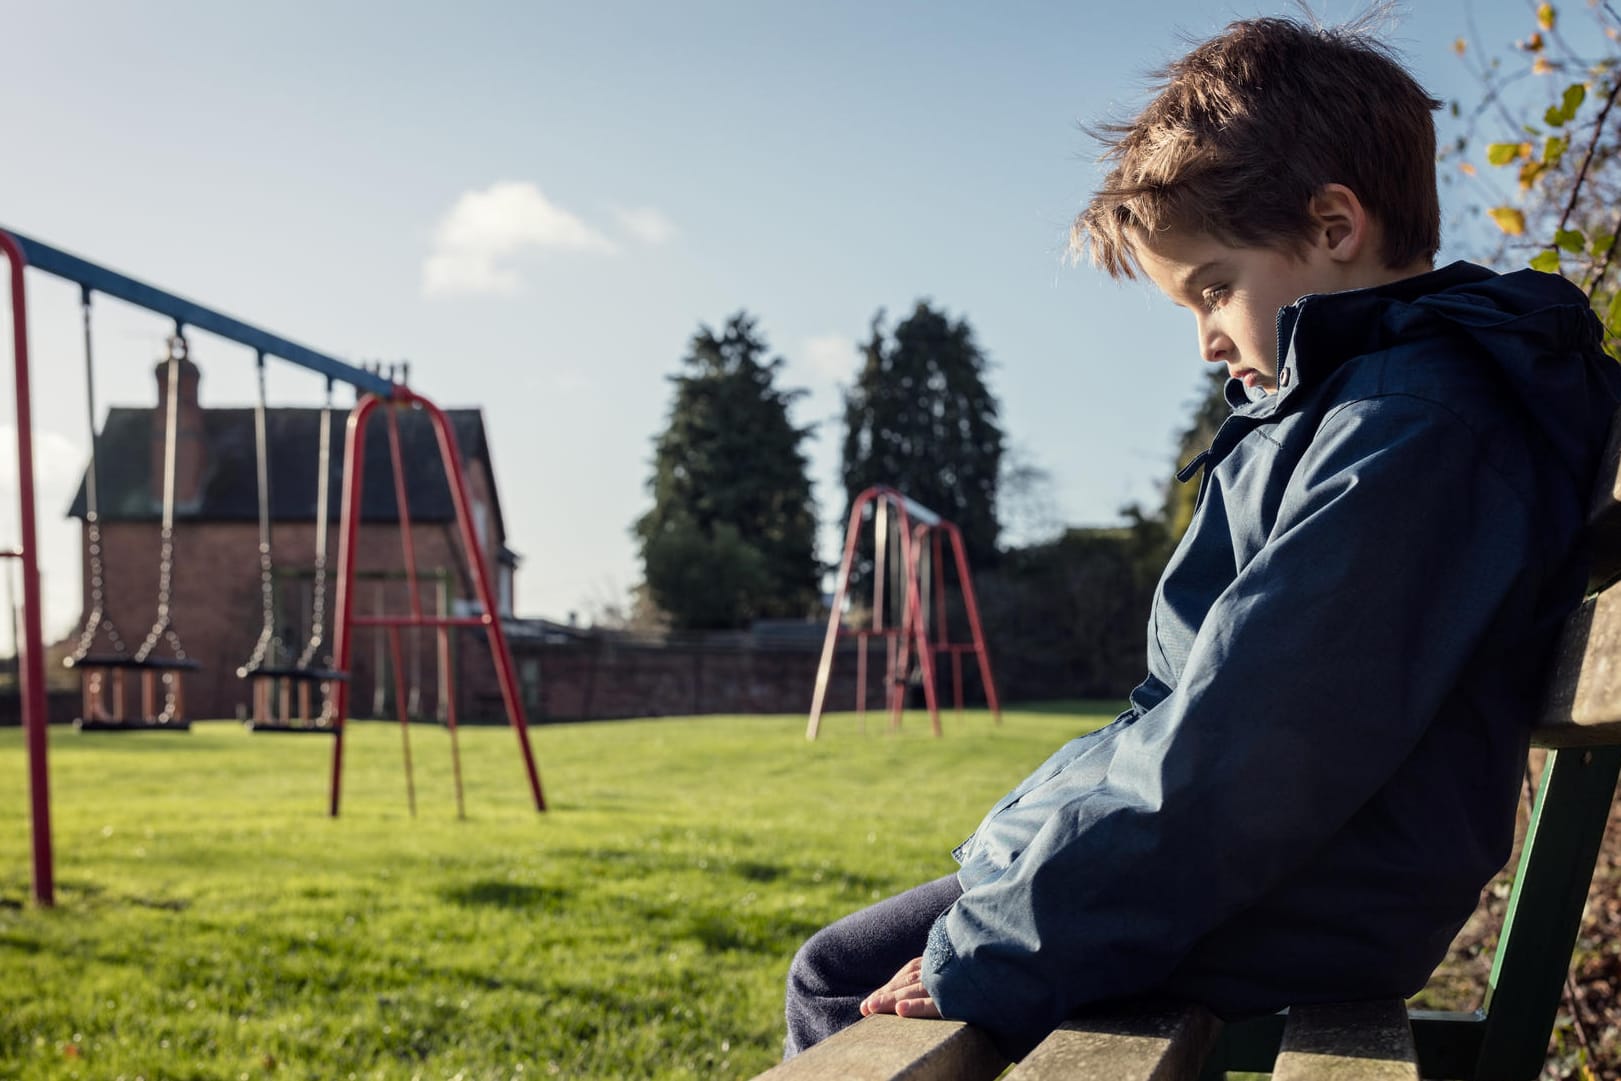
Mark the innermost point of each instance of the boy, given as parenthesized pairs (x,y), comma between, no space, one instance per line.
(1320,770)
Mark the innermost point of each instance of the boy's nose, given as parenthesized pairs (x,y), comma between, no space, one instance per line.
(1214,347)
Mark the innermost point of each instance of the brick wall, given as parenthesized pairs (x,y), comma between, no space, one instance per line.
(61,707)
(606,678)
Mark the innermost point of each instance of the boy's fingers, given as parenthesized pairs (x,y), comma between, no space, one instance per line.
(887,999)
(904,985)
(918,1007)
(907,975)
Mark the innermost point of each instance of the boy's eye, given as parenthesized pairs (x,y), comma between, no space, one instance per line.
(1213,295)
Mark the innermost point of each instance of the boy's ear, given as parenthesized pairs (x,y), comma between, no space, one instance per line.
(1341,225)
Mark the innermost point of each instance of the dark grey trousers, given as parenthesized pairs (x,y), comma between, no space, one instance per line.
(846,961)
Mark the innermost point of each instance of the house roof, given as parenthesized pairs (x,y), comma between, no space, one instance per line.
(229,480)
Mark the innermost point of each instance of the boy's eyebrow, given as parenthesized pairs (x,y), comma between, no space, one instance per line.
(1187,279)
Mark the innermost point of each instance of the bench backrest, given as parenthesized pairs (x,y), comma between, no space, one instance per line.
(1584,697)
(1581,726)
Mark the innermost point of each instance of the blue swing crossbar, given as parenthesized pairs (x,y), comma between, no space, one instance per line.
(187,313)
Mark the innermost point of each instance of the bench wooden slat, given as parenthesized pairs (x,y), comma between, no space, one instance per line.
(884,1047)
(1584,701)
(1168,1044)
(1584,697)
(1354,1041)
(1604,513)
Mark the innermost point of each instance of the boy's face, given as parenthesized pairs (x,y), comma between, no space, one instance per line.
(1234,295)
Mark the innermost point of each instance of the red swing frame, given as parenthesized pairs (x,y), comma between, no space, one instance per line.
(918,526)
(31,666)
(346,621)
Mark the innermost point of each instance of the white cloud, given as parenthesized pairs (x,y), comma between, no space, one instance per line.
(646,224)
(475,242)
(444,273)
(59,463)
(830,356)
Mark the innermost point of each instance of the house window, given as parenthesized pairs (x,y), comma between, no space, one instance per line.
(481,527)
(529,681)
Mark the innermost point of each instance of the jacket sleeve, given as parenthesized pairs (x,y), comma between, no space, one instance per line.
(1314,675)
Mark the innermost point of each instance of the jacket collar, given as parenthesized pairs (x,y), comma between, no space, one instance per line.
(1321,331)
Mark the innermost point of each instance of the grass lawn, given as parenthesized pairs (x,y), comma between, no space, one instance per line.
(212,922)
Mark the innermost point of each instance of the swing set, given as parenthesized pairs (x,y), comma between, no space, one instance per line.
(101,654)
(908,596)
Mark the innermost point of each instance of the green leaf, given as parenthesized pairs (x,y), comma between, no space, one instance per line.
(1574,95)
(1553,151)
(1571,240)
(1612,317)
(1546,261)
(1569,102)
(1508,219)
(1602,244)
(1502,153)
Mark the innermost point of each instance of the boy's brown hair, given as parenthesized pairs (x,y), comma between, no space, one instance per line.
(1250,125)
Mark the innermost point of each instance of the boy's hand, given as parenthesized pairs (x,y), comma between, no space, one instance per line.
(903,995)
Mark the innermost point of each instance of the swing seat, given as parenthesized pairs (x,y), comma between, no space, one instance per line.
(265,677)
(97,718)
(297,675)
(132,724)
(318,728)
(119,660)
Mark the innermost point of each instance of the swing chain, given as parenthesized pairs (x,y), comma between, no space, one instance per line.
(269,642)
(163,629)
(96,619)
(322,498)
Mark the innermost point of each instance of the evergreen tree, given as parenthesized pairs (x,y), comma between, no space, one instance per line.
(731,536)
(921,419)
(1209,411)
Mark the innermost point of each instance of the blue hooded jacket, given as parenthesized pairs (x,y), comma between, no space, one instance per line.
(1320,771)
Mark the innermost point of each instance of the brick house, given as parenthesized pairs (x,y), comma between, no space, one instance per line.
(217,601)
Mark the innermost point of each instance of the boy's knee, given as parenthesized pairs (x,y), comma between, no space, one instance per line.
(808,972)
(814,1006)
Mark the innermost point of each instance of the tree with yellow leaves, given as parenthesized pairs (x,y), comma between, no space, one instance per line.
(1551,168)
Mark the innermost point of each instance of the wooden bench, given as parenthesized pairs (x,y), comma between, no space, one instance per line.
(1505,1040)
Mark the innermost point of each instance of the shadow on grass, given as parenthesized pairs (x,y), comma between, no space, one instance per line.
(141,742)
(494,894)
(166,904)
(17,944)
(770,937)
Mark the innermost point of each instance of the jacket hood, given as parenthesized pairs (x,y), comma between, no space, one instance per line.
(1536,329)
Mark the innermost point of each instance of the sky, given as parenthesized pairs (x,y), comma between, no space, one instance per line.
(537,205)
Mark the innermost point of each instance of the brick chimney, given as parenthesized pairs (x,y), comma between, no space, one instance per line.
(189,438)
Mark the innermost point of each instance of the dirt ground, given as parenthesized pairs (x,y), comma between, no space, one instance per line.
(1586,1044)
